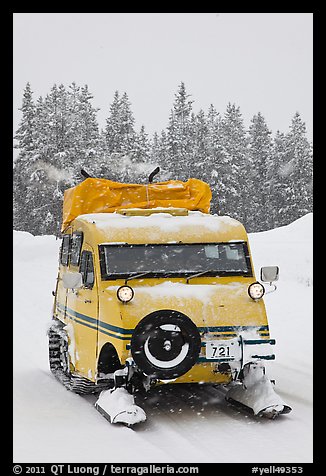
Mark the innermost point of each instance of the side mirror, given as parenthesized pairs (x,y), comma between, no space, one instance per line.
(269,273)
(72,280)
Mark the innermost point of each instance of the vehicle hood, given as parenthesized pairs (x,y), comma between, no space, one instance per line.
(207,305)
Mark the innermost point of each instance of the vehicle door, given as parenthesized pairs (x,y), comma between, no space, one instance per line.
(82,311)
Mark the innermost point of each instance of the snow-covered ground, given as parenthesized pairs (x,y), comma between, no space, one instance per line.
(185,423)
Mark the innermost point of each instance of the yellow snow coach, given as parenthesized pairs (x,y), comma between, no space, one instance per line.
(152,289)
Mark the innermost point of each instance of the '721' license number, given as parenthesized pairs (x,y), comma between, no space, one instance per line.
(222,349)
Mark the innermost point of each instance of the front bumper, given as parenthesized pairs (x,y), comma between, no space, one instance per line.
(236,351)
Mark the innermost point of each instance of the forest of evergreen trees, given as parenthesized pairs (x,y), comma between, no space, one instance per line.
(264,181)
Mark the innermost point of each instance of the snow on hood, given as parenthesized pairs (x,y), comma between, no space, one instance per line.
(169,289)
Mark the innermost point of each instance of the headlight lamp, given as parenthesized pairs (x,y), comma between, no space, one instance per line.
(256,290)
(125,293)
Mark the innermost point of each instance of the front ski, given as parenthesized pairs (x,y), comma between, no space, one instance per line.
(118,406)
(256,393)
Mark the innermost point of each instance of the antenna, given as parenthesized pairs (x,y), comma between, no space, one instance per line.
(152,174)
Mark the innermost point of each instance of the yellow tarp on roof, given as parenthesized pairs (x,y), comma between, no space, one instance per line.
(101,195)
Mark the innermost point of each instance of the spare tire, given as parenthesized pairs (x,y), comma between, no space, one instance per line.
(165,344)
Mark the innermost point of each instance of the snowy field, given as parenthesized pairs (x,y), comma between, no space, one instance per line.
(185,423)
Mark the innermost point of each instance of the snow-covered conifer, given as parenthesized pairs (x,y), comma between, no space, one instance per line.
(179,136)
(258,157)
(297,171)
(233,198)
(25,134)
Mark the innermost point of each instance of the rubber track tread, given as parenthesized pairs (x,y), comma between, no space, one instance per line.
(58,339)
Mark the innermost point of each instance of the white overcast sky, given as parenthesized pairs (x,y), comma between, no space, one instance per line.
(259,61)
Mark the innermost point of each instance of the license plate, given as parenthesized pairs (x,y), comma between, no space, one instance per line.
(222,349)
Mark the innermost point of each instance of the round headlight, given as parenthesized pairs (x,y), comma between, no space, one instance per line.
(125,293)
(256,290)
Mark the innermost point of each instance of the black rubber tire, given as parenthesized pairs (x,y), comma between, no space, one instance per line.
(148,337)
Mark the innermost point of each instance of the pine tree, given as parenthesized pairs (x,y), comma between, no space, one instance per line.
(276,182)
(199,150)
(74,129)
(41,128)
(127,131)
(25,134)
(113,128)
(297,172)
(160,155)
(214,172)
(233,195)
(53,142)
(120,138)
(66,138)
(54,110)
(141,147)
(179,134)
(103,165)
(87,139)
(259,152)
(89,131)
(155,147)
(26,138)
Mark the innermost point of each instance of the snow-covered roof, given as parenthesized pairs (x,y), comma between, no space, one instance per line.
(161,228)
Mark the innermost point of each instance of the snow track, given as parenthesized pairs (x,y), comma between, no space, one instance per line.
(185,423)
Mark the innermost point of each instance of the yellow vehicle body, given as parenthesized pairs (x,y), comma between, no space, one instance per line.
(219,306)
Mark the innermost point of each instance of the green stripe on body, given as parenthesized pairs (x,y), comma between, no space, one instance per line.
(111,330)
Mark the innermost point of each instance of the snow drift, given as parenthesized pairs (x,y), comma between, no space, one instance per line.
(185,423)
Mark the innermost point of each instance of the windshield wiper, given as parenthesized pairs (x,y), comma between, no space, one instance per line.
(137,276)
(200,274)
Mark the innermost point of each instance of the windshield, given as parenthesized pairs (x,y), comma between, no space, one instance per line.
(180,259)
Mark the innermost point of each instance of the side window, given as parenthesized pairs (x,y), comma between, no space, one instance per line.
(76,245)
(65,250)
(87,269)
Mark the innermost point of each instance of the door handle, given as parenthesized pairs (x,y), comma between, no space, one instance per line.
(87,300)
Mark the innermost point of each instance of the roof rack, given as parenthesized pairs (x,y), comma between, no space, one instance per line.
(150,211)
